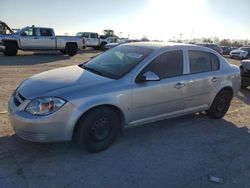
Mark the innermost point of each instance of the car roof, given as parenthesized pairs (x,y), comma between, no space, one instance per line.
(158,45)
(37,27)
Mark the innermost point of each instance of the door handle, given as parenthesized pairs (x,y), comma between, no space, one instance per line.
(179,85)
(52,38)
(35,38)
(214,79)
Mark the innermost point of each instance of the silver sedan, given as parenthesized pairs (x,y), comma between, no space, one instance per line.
(129,85)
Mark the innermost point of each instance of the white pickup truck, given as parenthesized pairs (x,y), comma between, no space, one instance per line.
(95,41)
(39,38)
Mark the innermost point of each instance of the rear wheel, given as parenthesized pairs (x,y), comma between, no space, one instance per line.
(98,129)
(10,49)
(220,104)
(71,49)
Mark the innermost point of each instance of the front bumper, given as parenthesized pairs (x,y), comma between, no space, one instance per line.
(55,127)
(240,56)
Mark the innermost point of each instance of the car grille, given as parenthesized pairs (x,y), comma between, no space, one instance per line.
(235,53)
(18,98)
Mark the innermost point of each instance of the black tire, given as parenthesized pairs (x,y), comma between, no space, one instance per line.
(102,45)
(63,51)
(10,49)
(71,49)
(97,130)
(220,104)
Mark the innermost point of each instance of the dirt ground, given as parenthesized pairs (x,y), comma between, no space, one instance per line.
(180,152)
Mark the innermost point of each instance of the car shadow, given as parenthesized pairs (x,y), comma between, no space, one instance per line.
(170,152)
(244,95)
(29,58)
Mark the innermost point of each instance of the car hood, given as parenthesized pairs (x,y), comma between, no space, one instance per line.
(238,51)
(60,81)
(8,37)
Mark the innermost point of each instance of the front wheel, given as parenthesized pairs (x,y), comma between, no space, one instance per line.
(98,129)
(10,49)
(102,46)
(220,104)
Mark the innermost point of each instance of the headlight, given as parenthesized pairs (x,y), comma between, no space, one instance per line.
(44,106)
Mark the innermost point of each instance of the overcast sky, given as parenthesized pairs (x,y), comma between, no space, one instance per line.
(157,19)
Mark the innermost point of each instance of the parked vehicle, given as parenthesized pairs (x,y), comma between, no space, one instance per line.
(129,85)
(118,43)
(4,30)
(39,38)
(225,50)
(241,53)
(233,48)
(214,47)
(94,40)
(245,73)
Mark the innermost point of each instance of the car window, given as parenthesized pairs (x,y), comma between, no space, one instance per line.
(245,49)
(93,35)
(80,34)
(215,62)
(202,62)
(46,32)
(167,65)
(29,32)
(86,35)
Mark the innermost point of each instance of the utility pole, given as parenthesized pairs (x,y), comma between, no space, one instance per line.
(181,36)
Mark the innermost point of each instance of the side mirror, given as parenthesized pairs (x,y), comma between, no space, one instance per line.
(148,76)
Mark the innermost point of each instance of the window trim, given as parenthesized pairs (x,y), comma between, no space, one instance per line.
(142,71)
(45,29)
(210,54)
(95,34)
(34,30)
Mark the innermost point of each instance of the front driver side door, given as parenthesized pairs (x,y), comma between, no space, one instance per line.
(153,100)
(28,38)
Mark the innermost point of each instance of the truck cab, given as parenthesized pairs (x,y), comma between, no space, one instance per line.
(37,38)
(91,38)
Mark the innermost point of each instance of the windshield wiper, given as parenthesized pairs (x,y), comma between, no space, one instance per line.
(92,70)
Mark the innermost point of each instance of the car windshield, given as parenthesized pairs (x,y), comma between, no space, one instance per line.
(117,62)
(4,29)
(244,49)
(79,34)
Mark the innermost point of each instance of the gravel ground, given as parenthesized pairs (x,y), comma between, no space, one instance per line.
(181,152)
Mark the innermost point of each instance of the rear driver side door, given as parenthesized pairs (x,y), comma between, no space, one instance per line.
(203,80)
